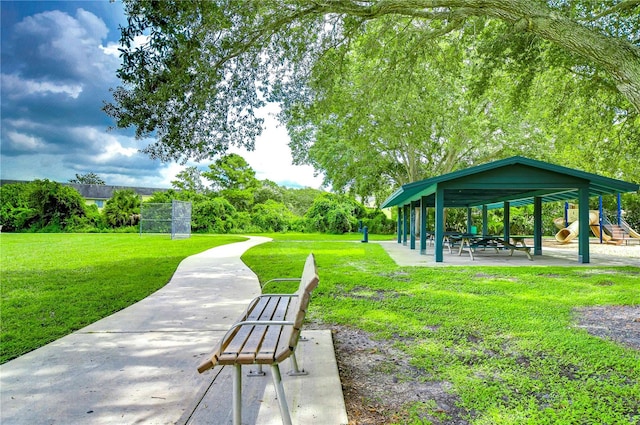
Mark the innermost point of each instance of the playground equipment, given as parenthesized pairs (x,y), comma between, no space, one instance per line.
(567,234)
(629,230)
(599,224)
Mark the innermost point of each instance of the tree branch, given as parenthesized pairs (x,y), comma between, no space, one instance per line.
(623,5)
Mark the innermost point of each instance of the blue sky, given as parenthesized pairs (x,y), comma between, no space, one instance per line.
(59,60)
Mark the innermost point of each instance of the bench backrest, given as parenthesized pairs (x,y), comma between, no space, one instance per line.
(298,309)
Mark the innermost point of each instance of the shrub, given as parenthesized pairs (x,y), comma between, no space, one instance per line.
(271,216)
(377,222)
(14,207)
(55,205)
(123,209)
(40,205)
(214,215)
(333,214)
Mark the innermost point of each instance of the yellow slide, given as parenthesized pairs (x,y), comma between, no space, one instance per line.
(632,232)
(567,234)
(595,229)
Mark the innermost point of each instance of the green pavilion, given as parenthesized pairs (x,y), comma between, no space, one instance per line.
(514,181)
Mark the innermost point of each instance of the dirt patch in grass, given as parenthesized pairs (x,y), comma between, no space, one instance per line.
(617,323)
(377,379)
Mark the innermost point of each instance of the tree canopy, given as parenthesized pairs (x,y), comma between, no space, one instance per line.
(376,124)
(456,80)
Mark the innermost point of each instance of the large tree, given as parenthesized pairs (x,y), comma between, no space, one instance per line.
(234,179)
(376,124)
(207,66)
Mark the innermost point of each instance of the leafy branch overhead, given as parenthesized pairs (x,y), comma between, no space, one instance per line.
(195,73)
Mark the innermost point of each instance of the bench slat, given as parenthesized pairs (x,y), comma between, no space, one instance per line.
(267,350)
(276,311)
(254,312)
(248,337)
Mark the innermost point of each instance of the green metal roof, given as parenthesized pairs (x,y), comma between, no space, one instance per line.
(516,180)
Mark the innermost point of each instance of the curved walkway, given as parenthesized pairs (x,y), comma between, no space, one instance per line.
(139,364)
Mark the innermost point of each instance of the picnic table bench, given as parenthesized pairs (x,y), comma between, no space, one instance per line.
(266,334)
(519,239)
(473,242)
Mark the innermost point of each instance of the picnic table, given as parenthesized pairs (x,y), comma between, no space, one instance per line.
(472,242)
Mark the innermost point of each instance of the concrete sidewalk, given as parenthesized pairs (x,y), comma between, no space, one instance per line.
(139,365)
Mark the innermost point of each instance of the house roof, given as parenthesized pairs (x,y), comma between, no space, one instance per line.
(517,180)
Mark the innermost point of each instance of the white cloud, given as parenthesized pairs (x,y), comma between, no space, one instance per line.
(55,53)
(168,173)
(17,87)
(112,49)
(107,146)
(67,46)
(25,142)
(114,149)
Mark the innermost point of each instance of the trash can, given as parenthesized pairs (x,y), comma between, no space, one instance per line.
(365,234)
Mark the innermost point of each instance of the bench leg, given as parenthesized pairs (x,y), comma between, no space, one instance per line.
(296,370)
(237,394)
(282,401)
(257,372)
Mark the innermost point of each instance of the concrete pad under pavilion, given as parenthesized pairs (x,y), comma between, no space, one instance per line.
(552,257)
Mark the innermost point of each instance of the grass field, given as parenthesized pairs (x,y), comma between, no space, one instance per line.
(53,284)
(504,338)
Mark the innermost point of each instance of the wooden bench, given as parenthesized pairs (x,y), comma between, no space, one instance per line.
(266,334)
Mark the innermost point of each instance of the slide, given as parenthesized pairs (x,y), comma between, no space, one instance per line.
(567,234)
(630,231)
(606,238)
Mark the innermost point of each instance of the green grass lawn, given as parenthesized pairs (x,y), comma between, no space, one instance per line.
(504,338)
(53,284)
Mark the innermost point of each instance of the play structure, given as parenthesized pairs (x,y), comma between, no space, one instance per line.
(567,234)
(599,224)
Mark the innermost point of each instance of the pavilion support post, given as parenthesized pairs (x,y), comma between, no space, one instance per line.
(537,225)
(485,217)
(399,224)
(583,216)
(423,225)
(405,227)
(600,218)
(412,226)
(507,220)
(619,209)
(469,220)
(439,224)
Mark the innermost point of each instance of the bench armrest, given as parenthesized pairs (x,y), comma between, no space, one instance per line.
(283,279)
